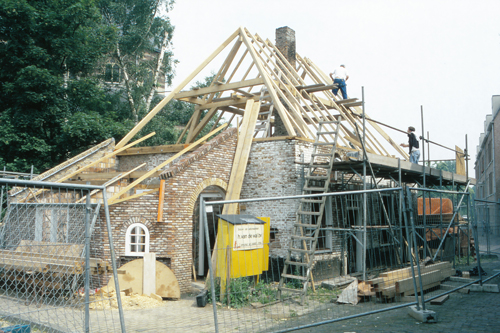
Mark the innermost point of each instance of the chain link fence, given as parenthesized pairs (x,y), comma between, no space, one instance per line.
(452,226)
(376,250)
(416,245)
(51,270)
(350,275)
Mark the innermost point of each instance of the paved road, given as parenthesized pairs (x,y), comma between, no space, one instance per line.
(474,312)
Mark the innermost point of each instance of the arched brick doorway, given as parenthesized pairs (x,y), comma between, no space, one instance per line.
(210,190)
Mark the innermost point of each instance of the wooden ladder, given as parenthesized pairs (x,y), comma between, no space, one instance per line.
(309,217)
(264,125)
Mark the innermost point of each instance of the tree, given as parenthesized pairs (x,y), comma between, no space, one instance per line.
(142,49)
(51,104)
(171,120)
(444,165)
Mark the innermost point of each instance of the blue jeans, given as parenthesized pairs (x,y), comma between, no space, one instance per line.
(342,86)
(415,156)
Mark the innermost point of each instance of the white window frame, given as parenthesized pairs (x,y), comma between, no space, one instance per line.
(128,235)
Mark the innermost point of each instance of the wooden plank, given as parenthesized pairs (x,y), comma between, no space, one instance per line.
(352,104)
(374,125)
(94,262)
(120,176)
(163,149)
(326,87)
(109,175)
(406,272)
(159,167)
(149,273)
(459,161)
(51,248)
(289,91)
(179,139)
(427,278)
(161,199)
(201,124)
(195,118)
(167,99)
(85,167)
(268,83)
(241,155)
(425,287)
(282,138)
(400,274)
(222,102)
(238,169)
(218,88)
(134,196)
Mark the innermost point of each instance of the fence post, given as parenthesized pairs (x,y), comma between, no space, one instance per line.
(417,259)
(409,244)
(207,243)
(87,263)
(478,255)
(113,259)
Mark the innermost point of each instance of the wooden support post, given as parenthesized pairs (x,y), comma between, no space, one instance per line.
(149,274)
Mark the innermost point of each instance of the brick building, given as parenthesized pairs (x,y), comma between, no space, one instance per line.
(487,165)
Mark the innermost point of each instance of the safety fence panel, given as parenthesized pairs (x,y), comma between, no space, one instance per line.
(487,217)
(52,270)
(361,253)
(450,226)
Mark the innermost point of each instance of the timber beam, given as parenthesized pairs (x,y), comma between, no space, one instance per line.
(218,88)
(153,150)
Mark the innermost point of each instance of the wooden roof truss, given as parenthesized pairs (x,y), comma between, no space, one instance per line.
(254,69)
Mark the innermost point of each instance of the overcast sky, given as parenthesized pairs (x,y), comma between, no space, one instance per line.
(443,55)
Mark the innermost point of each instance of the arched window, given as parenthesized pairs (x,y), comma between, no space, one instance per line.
(112,73)
(136,240)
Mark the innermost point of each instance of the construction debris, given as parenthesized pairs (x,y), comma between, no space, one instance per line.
(132,275)
(105,299)
(350,294)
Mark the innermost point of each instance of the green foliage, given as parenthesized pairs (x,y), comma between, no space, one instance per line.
(53,103)
(48,53)
(143,33)
(444,165)
(171,120)
(242,293)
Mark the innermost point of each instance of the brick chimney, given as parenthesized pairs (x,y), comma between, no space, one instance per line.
(285,42)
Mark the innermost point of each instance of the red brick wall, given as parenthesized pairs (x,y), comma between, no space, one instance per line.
(172,238)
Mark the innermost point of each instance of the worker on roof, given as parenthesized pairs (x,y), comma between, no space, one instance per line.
(413,145)
(339,76)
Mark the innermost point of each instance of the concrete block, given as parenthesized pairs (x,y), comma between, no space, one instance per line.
(488,288)
(440,300)
(424,316)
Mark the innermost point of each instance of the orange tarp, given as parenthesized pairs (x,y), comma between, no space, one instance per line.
(432,206)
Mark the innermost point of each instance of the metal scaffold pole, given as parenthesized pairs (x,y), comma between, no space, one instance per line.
(365,215)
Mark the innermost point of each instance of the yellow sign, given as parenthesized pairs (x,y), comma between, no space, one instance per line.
(248,237)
